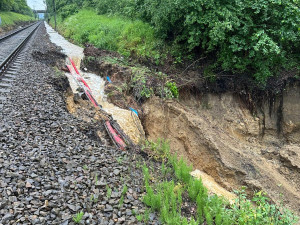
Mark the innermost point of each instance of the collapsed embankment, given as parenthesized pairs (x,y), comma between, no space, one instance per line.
(219,135)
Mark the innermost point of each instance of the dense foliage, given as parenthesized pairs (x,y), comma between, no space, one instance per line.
(247,36)
(254,37)
(11,18)
(19,6)
(112,33)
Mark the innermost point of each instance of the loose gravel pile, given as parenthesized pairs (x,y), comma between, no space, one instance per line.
(52,166)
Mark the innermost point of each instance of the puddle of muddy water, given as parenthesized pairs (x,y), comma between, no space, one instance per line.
(96,83)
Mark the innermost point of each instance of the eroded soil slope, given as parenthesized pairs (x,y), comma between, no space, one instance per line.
(217,133)
(219,136)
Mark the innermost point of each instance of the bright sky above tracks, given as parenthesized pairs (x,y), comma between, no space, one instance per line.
(36,4)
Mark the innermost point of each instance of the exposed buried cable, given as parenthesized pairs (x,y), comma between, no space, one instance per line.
(119,138)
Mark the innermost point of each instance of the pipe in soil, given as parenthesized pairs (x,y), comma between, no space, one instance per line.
(96,83)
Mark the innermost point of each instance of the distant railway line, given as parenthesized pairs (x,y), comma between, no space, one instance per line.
(10,57)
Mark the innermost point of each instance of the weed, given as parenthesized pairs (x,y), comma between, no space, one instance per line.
(94,198)
(120,159)
(85,167)
(181,169)
(139,217)
(58,73)
(195,188)
(166,199)
(133,212)
(121,201)
(160,149)
(96,178)
(147,215)
(108,192)
(124,191)
(77,218)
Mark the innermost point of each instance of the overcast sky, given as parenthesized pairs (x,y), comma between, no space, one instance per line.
(36,4)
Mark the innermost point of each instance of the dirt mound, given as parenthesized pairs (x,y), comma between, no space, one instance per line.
(93,60)
(222,138)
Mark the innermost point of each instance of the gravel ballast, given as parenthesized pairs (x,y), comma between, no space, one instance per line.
(52,166)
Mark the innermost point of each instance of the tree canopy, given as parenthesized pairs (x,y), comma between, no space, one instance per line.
(18,6)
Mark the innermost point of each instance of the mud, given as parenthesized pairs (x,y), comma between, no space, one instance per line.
(50,58)
(123,116)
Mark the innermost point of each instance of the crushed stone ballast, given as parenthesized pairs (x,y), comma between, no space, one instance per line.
(12,55)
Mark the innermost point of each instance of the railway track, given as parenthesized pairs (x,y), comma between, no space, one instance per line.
(11,57)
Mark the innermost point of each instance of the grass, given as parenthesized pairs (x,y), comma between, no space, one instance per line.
(114,33)
(108,192)
(169,196)
(78,217)
(124,191)
(11,18)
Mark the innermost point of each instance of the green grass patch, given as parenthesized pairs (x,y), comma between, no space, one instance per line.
(128,37)
(170,196)
(11,18)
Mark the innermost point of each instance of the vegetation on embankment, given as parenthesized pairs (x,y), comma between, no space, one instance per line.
(128,37)
(181,199)
(257,39)
(12,18)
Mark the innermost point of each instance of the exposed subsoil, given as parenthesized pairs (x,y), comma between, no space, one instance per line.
(232,129)
(52,164)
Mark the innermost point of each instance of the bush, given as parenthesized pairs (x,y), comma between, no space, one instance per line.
(68,10)
(255,37)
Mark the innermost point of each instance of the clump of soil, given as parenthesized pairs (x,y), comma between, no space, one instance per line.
(94,60)
(50,58)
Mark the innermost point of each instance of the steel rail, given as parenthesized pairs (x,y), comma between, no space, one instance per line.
(2,38)
(10,57)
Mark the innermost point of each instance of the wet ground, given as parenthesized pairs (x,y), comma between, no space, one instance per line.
(124,117)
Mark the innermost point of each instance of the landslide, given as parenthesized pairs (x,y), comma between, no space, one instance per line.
(234,131)
(221,137)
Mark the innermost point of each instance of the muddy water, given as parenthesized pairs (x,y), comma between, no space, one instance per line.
(96,83)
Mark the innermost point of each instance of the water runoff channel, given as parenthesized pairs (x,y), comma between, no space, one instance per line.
(96,83)
(122,116)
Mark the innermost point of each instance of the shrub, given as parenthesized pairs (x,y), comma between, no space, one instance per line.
(254,37)
(160,149)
